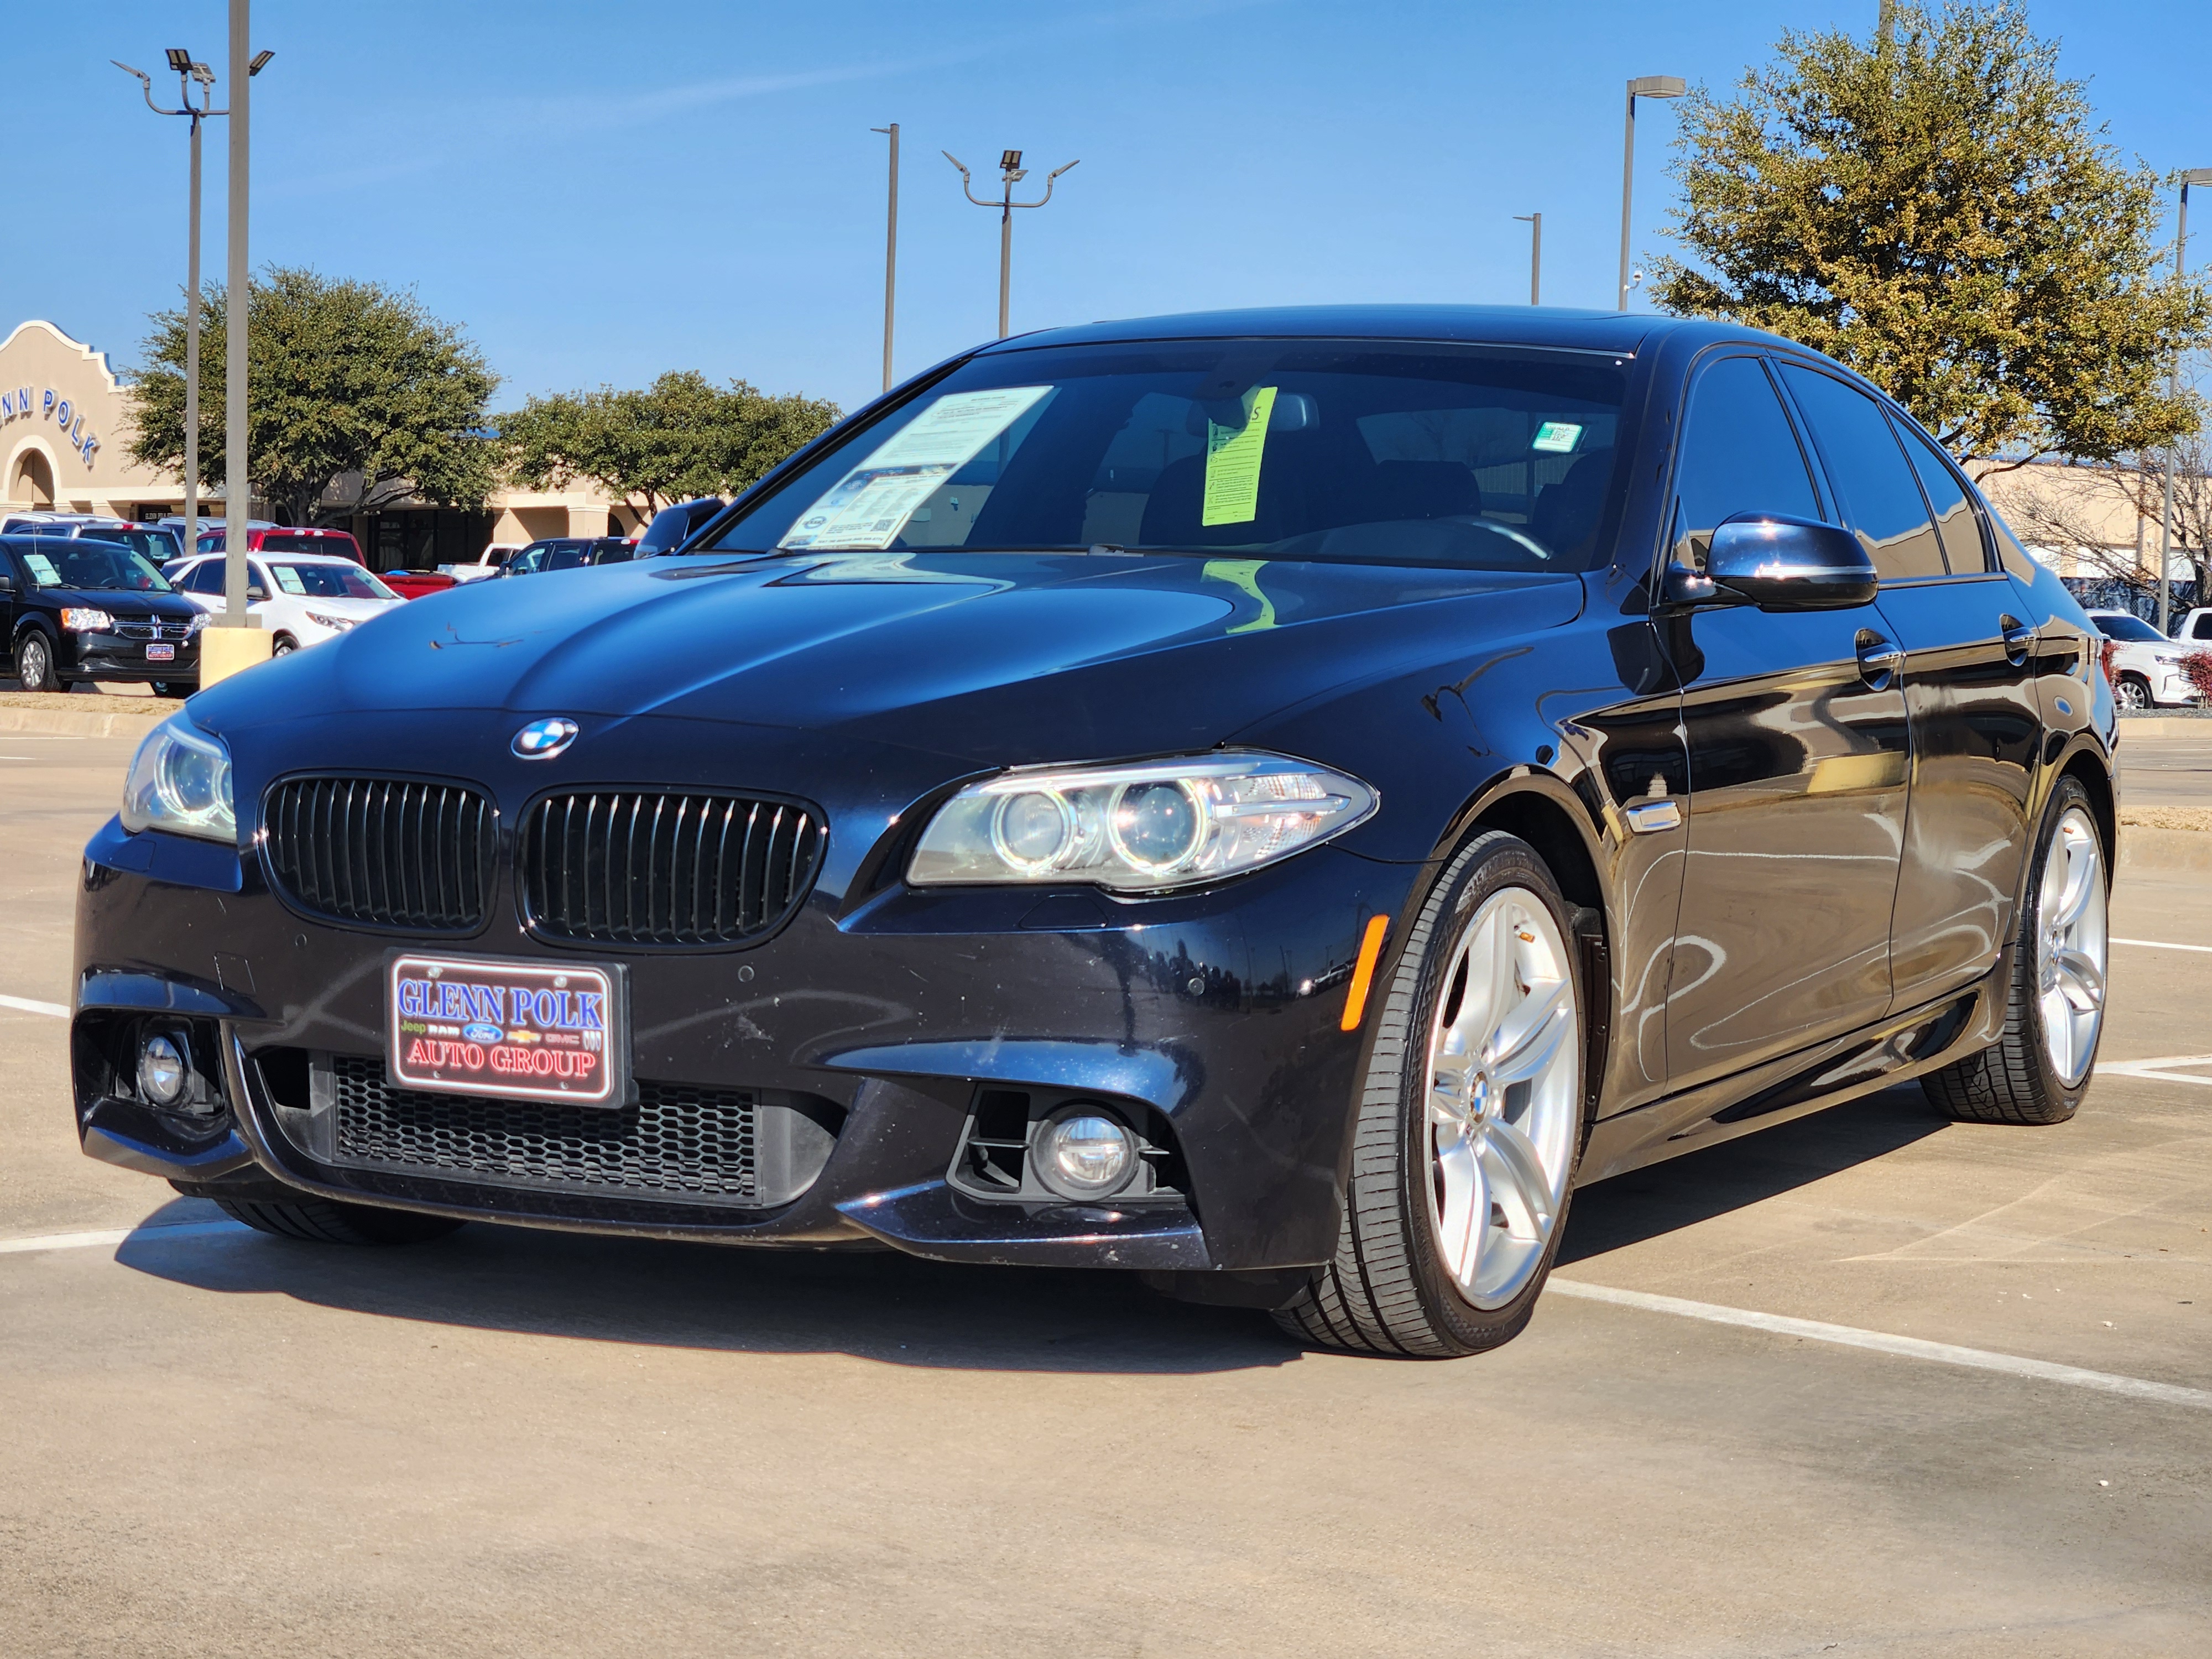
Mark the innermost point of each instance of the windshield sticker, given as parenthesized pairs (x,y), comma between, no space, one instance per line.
(1557,438)
(868,508)
(288,578)
(42,570)
(1232,462)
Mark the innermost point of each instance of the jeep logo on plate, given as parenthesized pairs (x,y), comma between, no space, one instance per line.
(542,739)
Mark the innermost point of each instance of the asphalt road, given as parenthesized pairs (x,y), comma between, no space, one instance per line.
(521,1444)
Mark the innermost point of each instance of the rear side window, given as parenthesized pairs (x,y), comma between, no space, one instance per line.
(1880,496)
(1739,455)
(204,578)
(1955,525)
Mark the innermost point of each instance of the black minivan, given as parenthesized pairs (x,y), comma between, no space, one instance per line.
(95,610)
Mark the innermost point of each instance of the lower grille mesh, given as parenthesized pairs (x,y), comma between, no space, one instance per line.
(678,1141)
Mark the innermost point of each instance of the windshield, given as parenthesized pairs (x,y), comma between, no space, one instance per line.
(1344,450)
(100,566)
(2126,628)
(328,581)
(158,545)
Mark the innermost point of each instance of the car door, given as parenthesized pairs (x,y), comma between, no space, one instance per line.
(1970,692)
(1798,757)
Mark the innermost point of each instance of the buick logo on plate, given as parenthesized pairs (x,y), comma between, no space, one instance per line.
(542,739)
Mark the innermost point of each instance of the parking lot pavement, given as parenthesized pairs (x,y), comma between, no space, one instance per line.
(522,1444)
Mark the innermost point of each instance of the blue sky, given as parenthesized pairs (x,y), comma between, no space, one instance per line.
(600,191)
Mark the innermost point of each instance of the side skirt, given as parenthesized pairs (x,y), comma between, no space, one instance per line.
(1923,1039)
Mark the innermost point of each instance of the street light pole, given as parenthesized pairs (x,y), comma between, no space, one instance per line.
(890,252)
(1536,223)
(238,493)
(2192,176)
(1644,86)
(1009,165)
(187,72)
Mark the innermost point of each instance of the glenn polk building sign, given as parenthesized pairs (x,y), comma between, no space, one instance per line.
(51,406)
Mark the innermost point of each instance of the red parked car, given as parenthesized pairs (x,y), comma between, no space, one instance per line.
(287,538)
(414,584)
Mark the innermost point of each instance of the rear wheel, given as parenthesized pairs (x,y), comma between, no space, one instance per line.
(174,688)
(1470,1122)
(2038,1069)
(34,662)
(324,1221)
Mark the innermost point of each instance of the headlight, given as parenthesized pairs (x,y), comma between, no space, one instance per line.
(199,621)
(181,782)
(83,619)
(338,624)
(1137,829)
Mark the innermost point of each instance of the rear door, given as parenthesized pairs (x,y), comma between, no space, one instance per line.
(1798,761)
(1969,678)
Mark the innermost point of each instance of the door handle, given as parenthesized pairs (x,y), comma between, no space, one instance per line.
(2019,639)
(1878,659)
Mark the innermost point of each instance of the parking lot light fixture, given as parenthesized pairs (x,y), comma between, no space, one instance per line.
(1012,172)
(1643,86)
(1536,223)
(2188,176)
(890,251)
(260,63)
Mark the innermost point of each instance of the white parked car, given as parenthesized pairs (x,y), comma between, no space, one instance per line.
(489,562)
(2147,666)
(301,598)
(2194,629)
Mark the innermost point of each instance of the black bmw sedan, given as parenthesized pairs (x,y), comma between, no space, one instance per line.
(1271,801)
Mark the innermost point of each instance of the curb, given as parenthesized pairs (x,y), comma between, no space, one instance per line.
(71,723)
(2164,726)
(2175,852)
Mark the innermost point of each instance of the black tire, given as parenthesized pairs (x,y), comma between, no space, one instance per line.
(34,662)
(1386,1292)
(325,1221)
(179,689)
(283,645)
(2013,1081)
(2134,692)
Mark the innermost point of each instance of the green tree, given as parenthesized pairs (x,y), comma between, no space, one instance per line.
(1939,208)
(358,398)
(679,438)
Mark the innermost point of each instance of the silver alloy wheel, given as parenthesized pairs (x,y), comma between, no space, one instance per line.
(2131,693)
(34,667)
(1504,1096)
(2071,945)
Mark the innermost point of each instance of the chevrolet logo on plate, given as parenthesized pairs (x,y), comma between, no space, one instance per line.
(542,739)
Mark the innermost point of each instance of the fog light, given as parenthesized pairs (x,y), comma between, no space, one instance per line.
(162,1070)
(1082,1153)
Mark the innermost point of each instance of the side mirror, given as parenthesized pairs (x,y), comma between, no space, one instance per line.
(7,582)
(256,593)
(1781,563)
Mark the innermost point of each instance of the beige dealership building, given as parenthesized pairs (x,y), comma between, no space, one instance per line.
(65,440)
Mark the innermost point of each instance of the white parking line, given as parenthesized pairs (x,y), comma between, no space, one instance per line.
(2159,1069)
(2162,945)
(1908,1348)
(111,1236)
(26,1006)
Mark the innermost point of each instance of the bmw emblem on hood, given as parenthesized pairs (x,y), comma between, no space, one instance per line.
(542,739)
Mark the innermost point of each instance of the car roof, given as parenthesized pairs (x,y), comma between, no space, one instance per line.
(1624,332)
(290,557)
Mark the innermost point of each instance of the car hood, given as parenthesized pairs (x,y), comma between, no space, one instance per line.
(120,602)
(997,657)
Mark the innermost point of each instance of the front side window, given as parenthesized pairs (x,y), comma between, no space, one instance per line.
(1955,526)
(205,577)
(1879,496)
(1359,451)
(1739,455)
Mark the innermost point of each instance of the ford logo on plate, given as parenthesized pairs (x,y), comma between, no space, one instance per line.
(477,1030)
(542,739)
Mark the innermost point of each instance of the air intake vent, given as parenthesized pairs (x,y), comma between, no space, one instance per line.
(637,868)
(382,851)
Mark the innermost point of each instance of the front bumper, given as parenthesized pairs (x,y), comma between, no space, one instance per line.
(1214,1015)
(117,657)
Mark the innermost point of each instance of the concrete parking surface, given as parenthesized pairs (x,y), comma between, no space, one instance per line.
(513,1443)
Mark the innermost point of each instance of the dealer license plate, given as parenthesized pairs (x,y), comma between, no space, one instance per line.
(161,654)
(530,1030)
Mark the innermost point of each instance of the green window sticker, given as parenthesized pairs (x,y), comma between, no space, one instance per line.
(42,570)
(288,578)
(1232,462)
(1557,438)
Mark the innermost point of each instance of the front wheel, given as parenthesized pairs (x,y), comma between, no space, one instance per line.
(2132,692)
(1470,1124)
(283,645)
(2038,1069)
(34,663)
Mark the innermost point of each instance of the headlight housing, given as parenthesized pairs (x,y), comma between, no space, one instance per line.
(83,619)
(181,782)
(337,624)
(1139,829)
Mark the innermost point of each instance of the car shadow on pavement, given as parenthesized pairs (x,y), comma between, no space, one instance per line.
(874,1304)
(1662,1198)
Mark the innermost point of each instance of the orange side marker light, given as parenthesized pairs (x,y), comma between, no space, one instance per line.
(1362,972)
